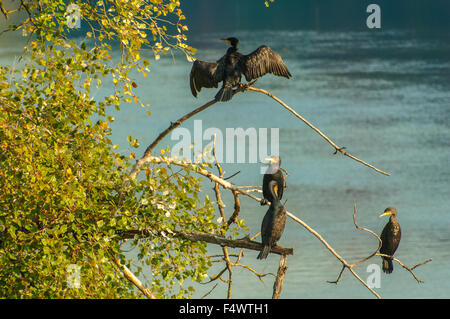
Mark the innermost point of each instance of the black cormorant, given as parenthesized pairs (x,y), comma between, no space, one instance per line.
(232,66)
(273,223)
(390,237)
(273,173)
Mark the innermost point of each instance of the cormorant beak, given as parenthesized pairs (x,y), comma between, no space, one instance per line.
(385,214)
(270,160)
(226,40)
(275,189)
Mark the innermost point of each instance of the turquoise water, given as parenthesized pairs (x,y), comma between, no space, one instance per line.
(383,95)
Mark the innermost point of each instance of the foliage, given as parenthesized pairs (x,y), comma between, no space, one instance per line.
(63,198)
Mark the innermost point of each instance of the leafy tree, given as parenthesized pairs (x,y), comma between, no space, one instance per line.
(64,194)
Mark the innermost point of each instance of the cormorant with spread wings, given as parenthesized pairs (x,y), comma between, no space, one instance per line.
(232,66)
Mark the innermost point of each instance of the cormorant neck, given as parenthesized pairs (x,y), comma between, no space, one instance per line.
(232,49)
(275,199)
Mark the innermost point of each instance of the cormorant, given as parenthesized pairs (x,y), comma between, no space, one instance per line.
(390,237)
(273,173)
(232,66)
(273,223)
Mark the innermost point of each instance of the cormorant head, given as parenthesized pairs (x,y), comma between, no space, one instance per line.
(389,211)
(274,163)
(232,41)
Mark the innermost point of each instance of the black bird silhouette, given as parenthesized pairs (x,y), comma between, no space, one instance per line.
(272,226)
(390,237)
(232,66)
(273,173)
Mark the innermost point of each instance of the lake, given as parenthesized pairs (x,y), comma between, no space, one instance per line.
(384,96)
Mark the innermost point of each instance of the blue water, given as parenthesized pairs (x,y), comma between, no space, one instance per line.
(383,95)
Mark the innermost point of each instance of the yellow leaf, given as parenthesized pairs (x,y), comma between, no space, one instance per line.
(104,125)
(69,171)
(163,152)
(132,155)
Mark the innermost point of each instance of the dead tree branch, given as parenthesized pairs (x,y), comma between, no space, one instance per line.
(336,147)
(131,277)
(278,284)
(196,236)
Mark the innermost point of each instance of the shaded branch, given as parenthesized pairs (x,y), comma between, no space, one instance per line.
(196,236)
(237,208)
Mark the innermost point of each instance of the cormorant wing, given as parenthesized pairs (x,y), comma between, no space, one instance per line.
(390,242)
(205,75)
(261,61)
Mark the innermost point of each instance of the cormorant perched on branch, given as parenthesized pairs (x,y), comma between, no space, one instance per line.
(390,237)
(273,173)
(232,66)
(272,226)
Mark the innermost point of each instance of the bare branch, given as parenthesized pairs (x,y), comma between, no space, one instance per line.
(131,277)
(278,284)
(205,295)
(406,267)
(237,208)
(337,148)
(369,231)
(212,239)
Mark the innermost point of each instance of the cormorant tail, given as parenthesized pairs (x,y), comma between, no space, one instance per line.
(264,253)
(224,94)
(388,267)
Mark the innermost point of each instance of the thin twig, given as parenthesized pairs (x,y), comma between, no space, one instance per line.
(205,295)
(406,267)
(369,231)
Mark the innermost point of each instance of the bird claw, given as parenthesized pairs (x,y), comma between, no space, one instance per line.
(243,87)
(246,86)
(263,202)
